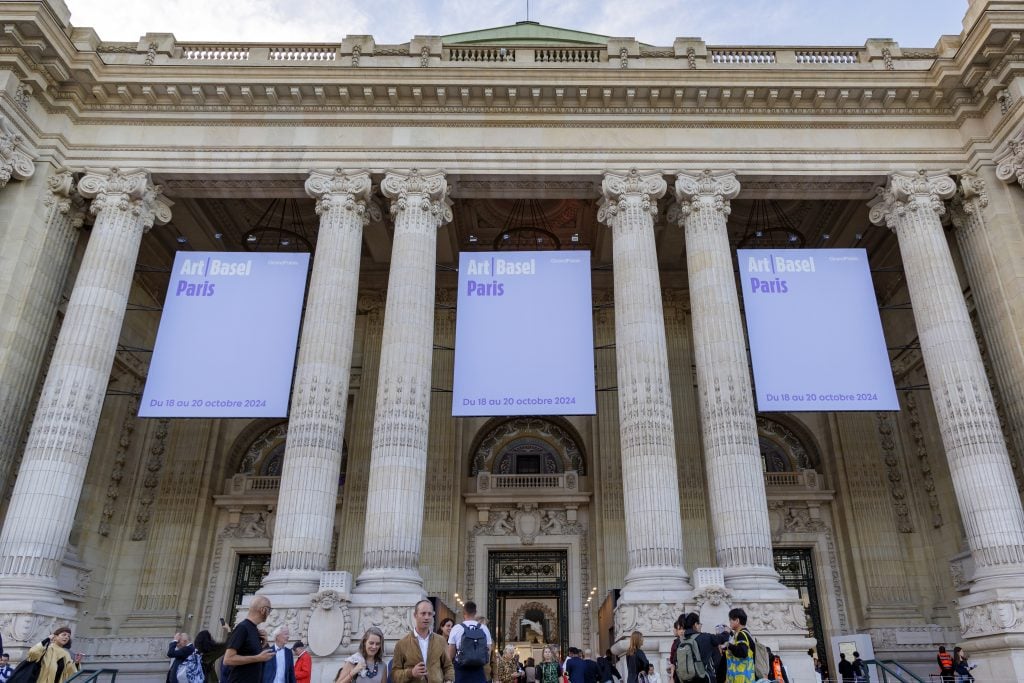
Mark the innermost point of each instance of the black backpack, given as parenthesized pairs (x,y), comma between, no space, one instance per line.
(473,652)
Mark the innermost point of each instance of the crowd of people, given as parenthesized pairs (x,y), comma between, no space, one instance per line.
(461,653)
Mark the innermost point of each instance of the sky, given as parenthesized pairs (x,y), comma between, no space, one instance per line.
(912,23)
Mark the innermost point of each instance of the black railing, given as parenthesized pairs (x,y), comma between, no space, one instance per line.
(891,670)
(93,675)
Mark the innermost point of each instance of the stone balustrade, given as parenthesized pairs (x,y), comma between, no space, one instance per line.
(686,54)
(485,481)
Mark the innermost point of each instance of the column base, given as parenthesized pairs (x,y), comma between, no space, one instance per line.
(26,621)
(283,583)
(388,588)
(998,657)
(752,578)
(656,585)
(777,618)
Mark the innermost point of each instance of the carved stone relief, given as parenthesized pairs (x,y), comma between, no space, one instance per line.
(150,480)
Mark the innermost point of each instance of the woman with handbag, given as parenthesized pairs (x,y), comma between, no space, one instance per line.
(48,661)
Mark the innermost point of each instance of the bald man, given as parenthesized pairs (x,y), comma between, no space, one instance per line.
(245,653)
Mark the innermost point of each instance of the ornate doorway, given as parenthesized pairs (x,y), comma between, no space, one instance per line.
(796,569)
(252,567)
(528,599)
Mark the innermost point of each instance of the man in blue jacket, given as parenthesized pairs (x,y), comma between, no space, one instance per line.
(281,667)
(179,650)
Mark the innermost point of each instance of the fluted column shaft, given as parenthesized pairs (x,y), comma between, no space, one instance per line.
(398,457)
(995,275)
(42,508)
(739,506)
(990,506)
(28,306)
(654,545)
(316,424)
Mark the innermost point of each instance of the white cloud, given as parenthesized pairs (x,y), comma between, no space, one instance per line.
(737,22)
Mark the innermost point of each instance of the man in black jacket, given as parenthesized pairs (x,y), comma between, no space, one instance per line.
(179,650)
(707,646)
(606,667)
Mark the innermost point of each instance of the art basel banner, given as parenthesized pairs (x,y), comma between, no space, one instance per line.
(524,334)
(815,335)
(227,337)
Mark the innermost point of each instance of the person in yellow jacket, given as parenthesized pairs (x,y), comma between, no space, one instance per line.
(56,665)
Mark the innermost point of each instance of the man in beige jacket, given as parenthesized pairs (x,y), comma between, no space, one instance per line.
(422,655)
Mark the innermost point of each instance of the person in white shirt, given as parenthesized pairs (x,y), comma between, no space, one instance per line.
(467,674)
(5,667)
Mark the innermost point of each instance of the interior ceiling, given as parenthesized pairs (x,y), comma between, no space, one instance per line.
(482,223)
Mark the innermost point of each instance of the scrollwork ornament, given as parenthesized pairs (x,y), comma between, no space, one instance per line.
(1010,164)
(15,161)
(972,193)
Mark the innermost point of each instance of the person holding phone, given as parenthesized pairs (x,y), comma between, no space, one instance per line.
(210,651)
(56,663)
(245,654)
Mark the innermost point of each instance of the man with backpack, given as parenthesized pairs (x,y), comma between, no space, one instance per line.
(697,657)
(469,646)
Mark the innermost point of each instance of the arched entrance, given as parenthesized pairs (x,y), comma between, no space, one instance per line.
(528,559)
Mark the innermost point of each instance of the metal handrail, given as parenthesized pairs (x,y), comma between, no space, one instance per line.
(92,675)
(888,668)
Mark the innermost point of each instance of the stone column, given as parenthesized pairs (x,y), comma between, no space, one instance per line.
(911,205)
(990,233)
(739,506)
(654,537)
(40,245)
(398,457)
(316,425)
(42,509)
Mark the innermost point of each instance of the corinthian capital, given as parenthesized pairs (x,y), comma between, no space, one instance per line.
(707,189)
(62,195)
(1010,166)
(348,189)
(428,191)
(910,191)
(15,161)
(620,189)
(131,191)
(970,198)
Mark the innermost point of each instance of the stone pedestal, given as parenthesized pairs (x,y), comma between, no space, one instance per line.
(390,578)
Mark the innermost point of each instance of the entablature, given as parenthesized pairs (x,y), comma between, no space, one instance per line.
(77,72)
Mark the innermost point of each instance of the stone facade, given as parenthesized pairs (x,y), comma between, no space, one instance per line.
(904,527)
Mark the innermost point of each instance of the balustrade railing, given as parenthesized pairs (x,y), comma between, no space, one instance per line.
(742,56)
(481,54)
(304,53)
(568,55)
(499,483)
(802,478)
(215,53)
(827,56)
